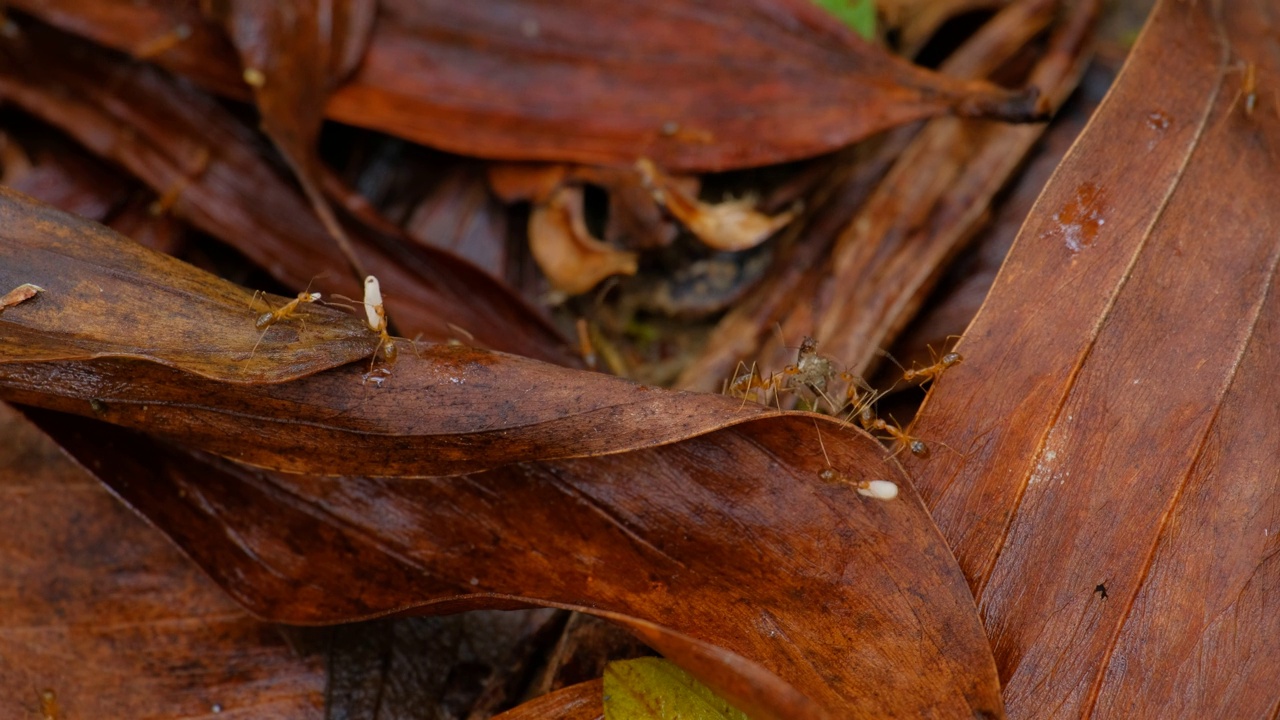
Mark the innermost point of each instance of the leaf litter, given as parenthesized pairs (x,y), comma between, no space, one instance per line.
(761,551)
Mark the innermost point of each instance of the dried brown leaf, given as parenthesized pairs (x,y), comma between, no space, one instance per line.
(601,82)
(730,225)
(740,549)
(891,237)
(103,618)
(1114,494)
(172,136)
(576,702)
(564,249)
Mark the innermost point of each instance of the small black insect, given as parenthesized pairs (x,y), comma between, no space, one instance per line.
(1101,589)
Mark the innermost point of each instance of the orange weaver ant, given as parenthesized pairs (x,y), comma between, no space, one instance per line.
(934,371)
(871,423)
(271,317)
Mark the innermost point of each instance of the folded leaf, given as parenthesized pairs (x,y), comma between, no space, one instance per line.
(175,138)
(731,539)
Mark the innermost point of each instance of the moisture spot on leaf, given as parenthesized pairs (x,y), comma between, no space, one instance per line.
(655,689)
(1081,218)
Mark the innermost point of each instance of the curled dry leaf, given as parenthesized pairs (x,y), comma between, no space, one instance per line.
(709,529)
(103,618)
(1114,499)
(730,225)
(20,294)
(564,249)
(106,296)
(602,82)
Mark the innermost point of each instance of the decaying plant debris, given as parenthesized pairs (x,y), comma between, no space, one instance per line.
(742,198)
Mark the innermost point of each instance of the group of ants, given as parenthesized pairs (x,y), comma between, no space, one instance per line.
(813,377)
(816,379)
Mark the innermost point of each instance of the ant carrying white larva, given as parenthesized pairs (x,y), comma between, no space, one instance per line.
(878,489)
(376,319)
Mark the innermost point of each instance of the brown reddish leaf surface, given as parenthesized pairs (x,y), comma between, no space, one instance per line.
(99,609)
(174,137)
(1115,419)
(576,702)
(604,82)
(728,551)
(294,52)
(938,193)
(712,584)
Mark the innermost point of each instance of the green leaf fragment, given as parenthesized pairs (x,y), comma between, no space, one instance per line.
(651,688)
(860,15)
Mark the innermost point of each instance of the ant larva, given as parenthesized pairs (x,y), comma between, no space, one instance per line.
(376,318)
(879,489)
